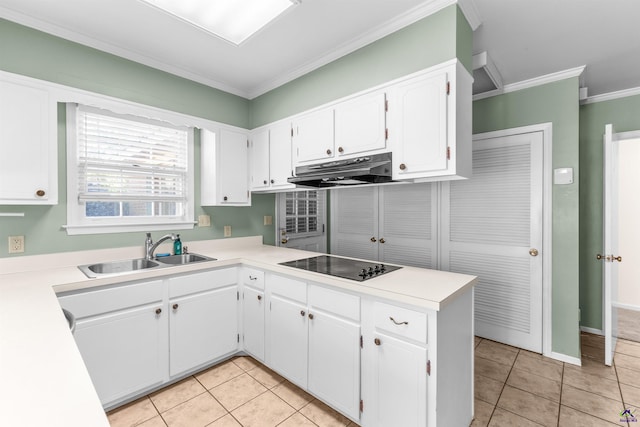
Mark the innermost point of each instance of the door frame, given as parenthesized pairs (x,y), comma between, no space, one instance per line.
(547,211)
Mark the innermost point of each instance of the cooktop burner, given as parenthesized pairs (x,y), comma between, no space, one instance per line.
(341,267)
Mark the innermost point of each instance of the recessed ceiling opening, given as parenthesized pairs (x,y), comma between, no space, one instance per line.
(486,77)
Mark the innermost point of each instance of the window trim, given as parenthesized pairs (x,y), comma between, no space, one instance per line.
(79,224)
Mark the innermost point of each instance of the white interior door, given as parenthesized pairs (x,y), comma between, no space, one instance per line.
(610,270)
(301,219)
(492,228)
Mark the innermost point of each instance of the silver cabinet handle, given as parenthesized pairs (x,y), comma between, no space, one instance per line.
(396,322)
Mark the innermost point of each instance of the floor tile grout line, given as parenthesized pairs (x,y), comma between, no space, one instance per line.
(560,399)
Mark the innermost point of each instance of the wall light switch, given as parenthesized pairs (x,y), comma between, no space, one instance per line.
(16,244)
(204,221)
(268,220)
(227,231)
(563,176)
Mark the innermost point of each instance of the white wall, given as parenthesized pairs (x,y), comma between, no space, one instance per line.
(629,223)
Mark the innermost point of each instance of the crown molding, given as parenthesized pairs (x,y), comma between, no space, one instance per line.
(537,81)
(612,95)
(470,11)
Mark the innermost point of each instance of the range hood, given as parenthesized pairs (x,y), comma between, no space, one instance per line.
(360,170)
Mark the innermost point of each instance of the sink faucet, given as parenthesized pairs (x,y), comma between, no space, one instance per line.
(150,247)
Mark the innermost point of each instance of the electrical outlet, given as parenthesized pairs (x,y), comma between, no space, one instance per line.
(16,244)
(204,221)
(227,231)
(268,220)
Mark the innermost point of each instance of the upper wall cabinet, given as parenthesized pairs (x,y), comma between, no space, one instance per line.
(313,137)
(430,125)
(271,158)
(28,144)
(224,168)
(360,125)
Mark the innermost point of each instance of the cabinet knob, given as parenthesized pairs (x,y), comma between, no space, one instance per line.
(311,316)
(259,297)
(225,198)
(158,310)
(302,313)
(175,306)
(402,166)
(340,150)
(273,181)
(40,193)
(382,240)
(328,152)
(377,341)
(264,182)
(373,239)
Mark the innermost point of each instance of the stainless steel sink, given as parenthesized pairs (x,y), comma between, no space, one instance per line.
(117,267)
(183,259)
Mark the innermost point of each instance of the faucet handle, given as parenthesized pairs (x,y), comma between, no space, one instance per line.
(185,250)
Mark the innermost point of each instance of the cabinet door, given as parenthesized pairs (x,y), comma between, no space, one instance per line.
(260,160)
(28,146)
(418,128)
(124,351)
(288,339)
(334,361)
(203,327)
(400,383)
(360,125)
(280,156)
(313,136)
(253,322)
(354,222)
(233,177)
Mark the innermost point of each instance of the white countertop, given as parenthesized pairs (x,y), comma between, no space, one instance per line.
(43,381)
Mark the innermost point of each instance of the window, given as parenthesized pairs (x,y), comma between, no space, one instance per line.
(127,173)
(303,213)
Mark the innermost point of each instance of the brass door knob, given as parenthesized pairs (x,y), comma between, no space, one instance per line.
(373,239)
(40,193)
(382,240)
(377,341)
(175,306)
(533,252)
(284,241)
(616,258)
(402,166)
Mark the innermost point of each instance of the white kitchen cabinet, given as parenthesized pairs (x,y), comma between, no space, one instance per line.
(360,125)
(334,349)
(253,304)
(224,172)
(28,144)
(430,124)
(288,329)
(121,333)
(313,137)
(271,158)
(203,322)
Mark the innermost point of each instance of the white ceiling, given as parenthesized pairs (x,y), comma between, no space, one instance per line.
(524,38)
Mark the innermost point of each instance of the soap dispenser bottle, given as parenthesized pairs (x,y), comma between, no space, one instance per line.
(177,246)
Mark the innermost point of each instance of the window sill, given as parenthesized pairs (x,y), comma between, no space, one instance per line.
(74,230)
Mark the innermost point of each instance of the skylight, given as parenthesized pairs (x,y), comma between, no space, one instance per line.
(232,20)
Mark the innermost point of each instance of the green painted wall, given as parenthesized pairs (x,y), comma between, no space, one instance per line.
(624,115)
(557,103)
(33,53)
(430,41)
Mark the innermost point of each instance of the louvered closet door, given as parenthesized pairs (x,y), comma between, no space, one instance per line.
(354,222)
(407,228)
(495,221)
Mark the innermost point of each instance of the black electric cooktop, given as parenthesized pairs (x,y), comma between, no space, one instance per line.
(341,267)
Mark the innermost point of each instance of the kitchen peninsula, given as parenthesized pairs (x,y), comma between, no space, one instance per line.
(410,324)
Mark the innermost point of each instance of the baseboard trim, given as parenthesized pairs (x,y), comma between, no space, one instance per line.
(591,330)
(626,306)
(565,358)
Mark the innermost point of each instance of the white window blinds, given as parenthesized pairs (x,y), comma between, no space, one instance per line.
(128,158)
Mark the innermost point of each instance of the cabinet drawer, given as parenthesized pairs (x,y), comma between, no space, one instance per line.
(200,282)
(253,277)
(339,303)
(288,288)
(400,321)
(94,302)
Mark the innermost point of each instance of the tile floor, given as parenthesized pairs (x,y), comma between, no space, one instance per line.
(513,387)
